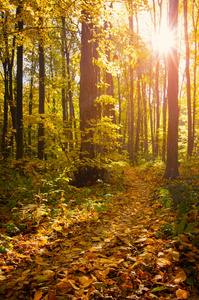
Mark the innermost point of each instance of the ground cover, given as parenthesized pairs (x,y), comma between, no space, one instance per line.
(134,238)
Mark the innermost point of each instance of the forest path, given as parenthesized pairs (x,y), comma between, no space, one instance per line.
(118,254)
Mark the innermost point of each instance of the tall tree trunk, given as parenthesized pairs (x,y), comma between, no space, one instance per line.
(19,139)
(172,138)
(30,113)
(150,108)
(157,108)
(70,96)
(131,112)
(32,72)
(88,93)
(138,110)
(4,145)
(164,115)
(195,20)
(64,101)
(188,81)
(88,89)
(120,112)
(41,101)
(8,87)
(145,119)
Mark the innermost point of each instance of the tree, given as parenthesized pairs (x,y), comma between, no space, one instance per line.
(88,93)
(138,107)
(131,96)
(19,135)
(7,58)
(157,77)
(195,20)
(190,144)
(41,100)
(64,102)
(164,114)
(172,137)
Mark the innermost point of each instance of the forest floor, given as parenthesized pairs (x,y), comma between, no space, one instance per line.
(126,240)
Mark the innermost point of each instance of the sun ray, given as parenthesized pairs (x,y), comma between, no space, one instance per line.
(165,40)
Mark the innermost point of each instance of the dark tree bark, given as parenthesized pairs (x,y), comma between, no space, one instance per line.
(32,72)
(19,135)
(4,145)
(88,89)
(172,138)
(8,63)
(87,174)
(41,101)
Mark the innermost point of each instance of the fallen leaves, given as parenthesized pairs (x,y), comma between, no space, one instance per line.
(182,294)
(180,277)
(38,295)
(117,254)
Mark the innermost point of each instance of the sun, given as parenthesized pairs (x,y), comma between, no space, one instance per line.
(165,40)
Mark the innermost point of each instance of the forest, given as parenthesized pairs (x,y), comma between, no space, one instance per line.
(99,174)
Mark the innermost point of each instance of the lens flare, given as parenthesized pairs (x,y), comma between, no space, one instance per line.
(165,40)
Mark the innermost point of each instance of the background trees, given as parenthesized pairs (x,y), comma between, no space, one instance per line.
(103,88)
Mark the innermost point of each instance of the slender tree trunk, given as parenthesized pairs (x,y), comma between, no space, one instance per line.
(19,153)
(30,113)
(141,132)
(131,112)
(4,149)
(157,108)
(138,110)
(195,26)
(188,81)
(164,115)
(64,105)
(120,112)
(145,119)
(172,138)
(41,101)
(32,72)
(13,108)
(70,96)
(8,86)
(150,108)
(64,100)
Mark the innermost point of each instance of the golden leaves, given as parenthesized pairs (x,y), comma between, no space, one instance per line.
(182,294)
(180,277)
(39,261)
(114,253)
(38,295)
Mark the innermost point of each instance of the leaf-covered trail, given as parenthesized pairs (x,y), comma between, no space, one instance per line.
(116,254)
